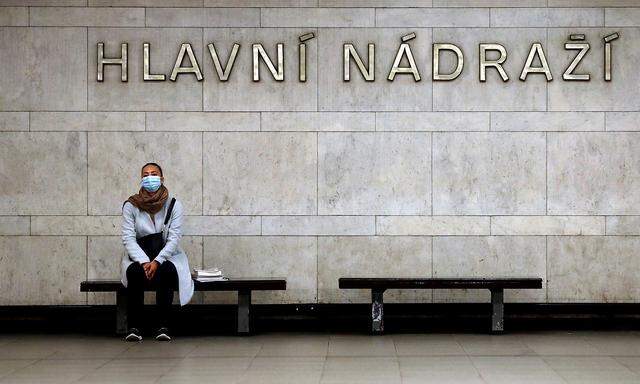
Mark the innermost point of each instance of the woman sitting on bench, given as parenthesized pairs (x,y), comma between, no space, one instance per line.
(151,232)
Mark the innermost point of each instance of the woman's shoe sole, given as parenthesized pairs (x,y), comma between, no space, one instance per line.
(133,337)
(163,337)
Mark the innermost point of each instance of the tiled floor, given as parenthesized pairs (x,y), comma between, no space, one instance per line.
(536,357)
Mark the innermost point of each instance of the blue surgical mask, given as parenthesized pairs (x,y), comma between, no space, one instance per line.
(151,183)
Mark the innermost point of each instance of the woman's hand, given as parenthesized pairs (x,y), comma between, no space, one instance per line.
(150,269)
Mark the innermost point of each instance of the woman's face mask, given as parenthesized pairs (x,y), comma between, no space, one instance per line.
(151,183)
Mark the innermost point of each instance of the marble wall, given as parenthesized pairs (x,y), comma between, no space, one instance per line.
(325,178)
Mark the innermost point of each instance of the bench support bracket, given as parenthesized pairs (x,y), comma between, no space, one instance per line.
(244,312)
(377,311)
(497,310)
(121,311)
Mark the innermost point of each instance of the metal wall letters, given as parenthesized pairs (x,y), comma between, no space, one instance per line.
(367,70)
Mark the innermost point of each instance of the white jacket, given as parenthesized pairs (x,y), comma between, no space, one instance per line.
(137,223)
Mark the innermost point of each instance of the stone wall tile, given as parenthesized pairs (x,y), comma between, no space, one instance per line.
(434,17)
(489,3)
(622,17)
(623,121)
(432,121)
(623,225)
(593,269)
(240,92)
(401,94)
(58,84)
(318,225)
(185,94)
(14,16)
(221,225)
(382,173)
(207,17)
(115,160)
(489,256)
(42,270)
(467,93)
(317,17)
(372,256)
(619,94)
(260,3)
(293,258)
(593,173)
(481,173)
(260,173)
(203,121)
(547,225)
(14,121)
(143,3)
(14,225)
(86,16)
(374,3)
(318,121)
(547,121)
(432,225)
(43,173)
(76,225)
(547,17)
(87,121)
(592,3)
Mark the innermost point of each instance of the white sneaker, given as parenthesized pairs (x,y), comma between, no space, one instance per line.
(163,334)
(134,335)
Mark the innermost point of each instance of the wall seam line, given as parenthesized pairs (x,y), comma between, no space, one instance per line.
(87,89)
(546,267)
(317,174)
(546,173)
(433,96)
(317,269)
(317,72)
(431,174)
(202,83)
(86,148)
(433,294)
(546,84)
(86,265)
(202,173)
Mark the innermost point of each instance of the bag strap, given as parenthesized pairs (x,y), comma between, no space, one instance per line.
(167,216)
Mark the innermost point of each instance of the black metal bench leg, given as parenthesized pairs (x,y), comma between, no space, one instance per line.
(121,312)
(244,312)
(497,310)
(377,311)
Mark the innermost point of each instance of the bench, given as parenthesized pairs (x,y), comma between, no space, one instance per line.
(244,286)
(495,285)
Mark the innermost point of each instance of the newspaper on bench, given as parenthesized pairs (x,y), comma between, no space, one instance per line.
(211,274)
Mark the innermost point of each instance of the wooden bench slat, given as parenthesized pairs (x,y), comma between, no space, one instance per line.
(497,285)
(439,283)
(244,286)
(235,284)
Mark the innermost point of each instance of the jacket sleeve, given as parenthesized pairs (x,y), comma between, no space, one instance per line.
(174,233)
(129,235)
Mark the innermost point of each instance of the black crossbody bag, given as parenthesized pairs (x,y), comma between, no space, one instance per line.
(153,243)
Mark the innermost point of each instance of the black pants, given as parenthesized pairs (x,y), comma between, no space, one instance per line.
(163,282)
